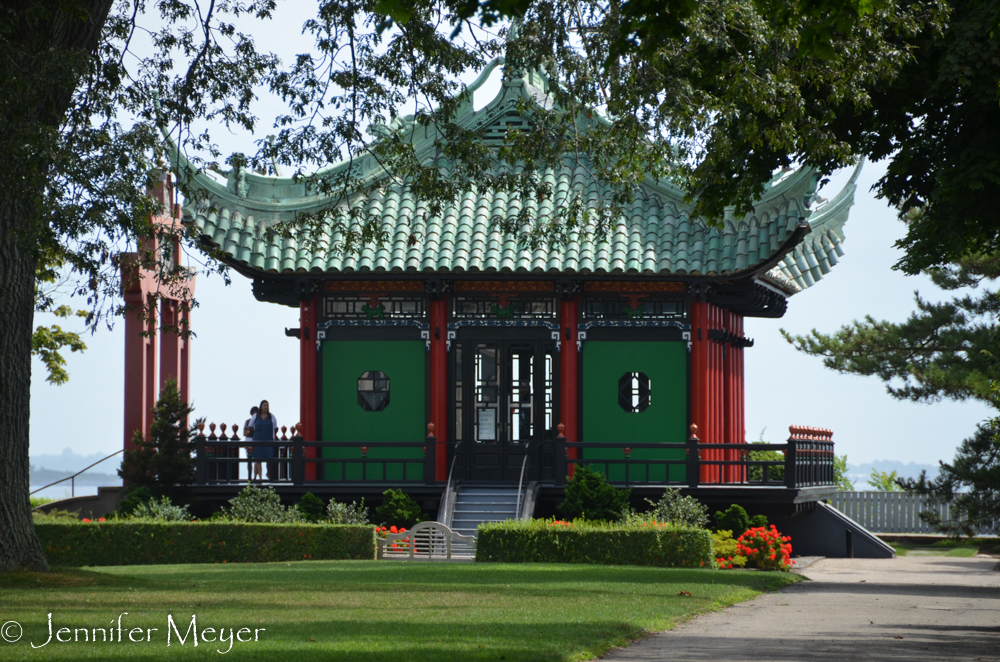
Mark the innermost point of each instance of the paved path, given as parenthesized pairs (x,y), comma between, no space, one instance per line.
(907,609)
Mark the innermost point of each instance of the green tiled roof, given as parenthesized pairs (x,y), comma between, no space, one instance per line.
(655,236)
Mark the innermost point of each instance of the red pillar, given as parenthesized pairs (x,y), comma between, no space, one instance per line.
(140,367)
(568,361)
(740,394)
(699,377)
(439,384)
(308,356)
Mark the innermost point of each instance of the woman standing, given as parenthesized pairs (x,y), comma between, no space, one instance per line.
(264,427)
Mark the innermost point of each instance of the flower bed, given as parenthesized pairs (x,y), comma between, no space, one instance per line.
(144,543)
(765,548)
(558,541)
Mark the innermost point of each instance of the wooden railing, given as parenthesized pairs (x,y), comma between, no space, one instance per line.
(807,462)
(217,459)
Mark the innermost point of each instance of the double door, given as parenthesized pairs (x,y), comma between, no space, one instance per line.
(503,406)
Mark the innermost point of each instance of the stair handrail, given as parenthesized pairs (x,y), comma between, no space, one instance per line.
(447,487)
(520,481)
(72,478)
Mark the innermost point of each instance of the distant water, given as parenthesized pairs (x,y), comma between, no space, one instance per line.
(63,492)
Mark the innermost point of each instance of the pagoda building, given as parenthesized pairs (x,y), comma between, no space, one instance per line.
(627,338)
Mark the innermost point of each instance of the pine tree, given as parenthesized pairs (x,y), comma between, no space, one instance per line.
(163,462)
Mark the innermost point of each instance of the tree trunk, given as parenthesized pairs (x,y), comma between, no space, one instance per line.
(19,546)
(34,99)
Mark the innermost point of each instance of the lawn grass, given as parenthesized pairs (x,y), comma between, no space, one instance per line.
(954,548)
(369,610)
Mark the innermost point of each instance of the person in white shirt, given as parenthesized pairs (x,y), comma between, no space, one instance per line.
(253,468)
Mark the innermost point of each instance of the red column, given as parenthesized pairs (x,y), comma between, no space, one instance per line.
(699,377)
(140,367)
(568,358)
(716,402)
(308,357)
(439,384)
(740,432)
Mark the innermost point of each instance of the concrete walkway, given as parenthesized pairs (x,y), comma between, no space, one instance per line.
(903,609)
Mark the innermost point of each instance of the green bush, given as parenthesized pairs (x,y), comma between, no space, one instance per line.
(160,511)
(733,519)
(677,509)
(344,513)
(398,510)
(124,542)
(726,550)
(134,498)
(547,541)
(259,505)
(311,507)
(758,521)
(591,497)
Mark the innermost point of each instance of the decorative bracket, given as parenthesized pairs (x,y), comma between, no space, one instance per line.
(320,337)
(425,335)
(686,336)
(558,338)
(451,335)
(580,337)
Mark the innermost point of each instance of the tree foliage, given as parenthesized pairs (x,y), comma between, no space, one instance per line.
(970,484)
(943,350)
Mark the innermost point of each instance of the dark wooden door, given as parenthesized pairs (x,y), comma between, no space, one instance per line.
(504,392)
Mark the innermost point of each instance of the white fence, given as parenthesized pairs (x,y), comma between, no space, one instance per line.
(891,512)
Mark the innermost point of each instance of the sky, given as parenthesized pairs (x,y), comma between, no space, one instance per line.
(240,354)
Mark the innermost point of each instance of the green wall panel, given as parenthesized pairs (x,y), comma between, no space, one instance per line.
(665,420)
(404,363)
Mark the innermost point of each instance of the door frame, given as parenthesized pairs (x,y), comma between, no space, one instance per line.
(467,338)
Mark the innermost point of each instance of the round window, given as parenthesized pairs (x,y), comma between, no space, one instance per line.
(633,392)
(373,390)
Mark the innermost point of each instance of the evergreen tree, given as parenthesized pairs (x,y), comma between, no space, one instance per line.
(163,463)
(590,496)
(970,484)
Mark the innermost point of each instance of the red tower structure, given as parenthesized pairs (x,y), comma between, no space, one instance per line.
(157,314)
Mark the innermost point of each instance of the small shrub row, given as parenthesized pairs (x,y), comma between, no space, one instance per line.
(553,541)
(126,542)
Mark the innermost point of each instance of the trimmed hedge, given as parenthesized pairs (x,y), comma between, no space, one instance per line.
(543,541)
(147,543)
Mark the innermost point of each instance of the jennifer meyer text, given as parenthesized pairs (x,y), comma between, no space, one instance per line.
(175,632)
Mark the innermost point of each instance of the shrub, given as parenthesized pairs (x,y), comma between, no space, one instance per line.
(262,505)
(55,515)
(134,498)
(758,521)
(733,519)
(775,473)
(557,541)
(130,542)
(765,549)
(40,501)
(678,509)
(310,507)
(725,550)
(343,513)
(161,511)
(590,496)
(398,510)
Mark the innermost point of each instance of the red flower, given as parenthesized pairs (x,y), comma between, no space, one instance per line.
(85,519)
(102,520)
(392,529)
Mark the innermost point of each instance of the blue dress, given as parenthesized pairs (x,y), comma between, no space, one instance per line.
(263,430)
